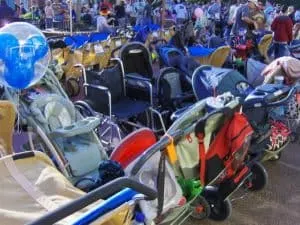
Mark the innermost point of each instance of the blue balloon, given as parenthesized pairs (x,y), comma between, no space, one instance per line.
(40,46)
(7,42)
(19,73)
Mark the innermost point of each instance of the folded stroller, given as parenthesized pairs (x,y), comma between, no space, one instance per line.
(257,104)
(207,189)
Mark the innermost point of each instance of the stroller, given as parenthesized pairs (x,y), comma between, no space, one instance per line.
(31,176)
(53,205)
(206,190)
(259,104)
(169,90)
(64,135)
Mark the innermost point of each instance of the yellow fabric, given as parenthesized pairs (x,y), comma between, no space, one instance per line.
(7,122)
(219,56)
(264,45)
(18,207)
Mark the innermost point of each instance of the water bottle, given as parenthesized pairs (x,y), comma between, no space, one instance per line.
(139,219)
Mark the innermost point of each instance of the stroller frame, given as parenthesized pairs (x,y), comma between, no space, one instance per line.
(112,120)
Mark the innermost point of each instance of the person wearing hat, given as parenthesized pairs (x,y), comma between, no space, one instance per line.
(243,17)
(102,24)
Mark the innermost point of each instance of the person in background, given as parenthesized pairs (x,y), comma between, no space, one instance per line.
(120,13)
(215,40)
(214,14)
(23,10)
(17,12)
(138,7)
(291,13)
(181,12)
(49,14)
(86,17)
(42,16)
(58,14)
(297,16)
(105,4)
(102,25)
(147,13)
(231,17)
(5,11)
(243,17)
(282,28)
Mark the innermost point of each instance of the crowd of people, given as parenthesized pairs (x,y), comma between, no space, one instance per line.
(215,20)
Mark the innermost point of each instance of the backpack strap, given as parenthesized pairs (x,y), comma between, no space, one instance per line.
(202,155)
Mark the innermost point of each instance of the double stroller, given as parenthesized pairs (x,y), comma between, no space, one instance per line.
(262,105)
(205,148)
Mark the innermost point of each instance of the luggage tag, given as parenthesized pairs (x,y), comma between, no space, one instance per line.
(118,43)
(171,151)
(98,49)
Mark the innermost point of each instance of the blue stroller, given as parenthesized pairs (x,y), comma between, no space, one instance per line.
(263,106)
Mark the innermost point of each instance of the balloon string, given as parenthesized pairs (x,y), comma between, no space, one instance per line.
(18,113)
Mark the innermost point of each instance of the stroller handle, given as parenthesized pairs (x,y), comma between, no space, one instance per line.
(102,192)
(292,90)
(159,146)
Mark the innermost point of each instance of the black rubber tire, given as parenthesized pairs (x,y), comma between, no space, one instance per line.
(273,159)
(259,178)
(200,200)
(220,209)
(294,137)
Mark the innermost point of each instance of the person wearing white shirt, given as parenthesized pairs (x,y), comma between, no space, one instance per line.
(102,25)
(181,13)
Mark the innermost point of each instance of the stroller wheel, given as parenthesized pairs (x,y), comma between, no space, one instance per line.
(294,137)
(220,209)
(200,208)
(276,157)
(259,177)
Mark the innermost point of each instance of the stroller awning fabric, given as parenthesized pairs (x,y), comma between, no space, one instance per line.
(199,51)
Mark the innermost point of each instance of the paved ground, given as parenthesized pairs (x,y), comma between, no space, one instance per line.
(277,204)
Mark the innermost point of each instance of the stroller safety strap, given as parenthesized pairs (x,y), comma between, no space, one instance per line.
(35,193)
(202,157)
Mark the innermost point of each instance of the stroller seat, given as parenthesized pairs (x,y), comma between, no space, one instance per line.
(72,136)
(127,108)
